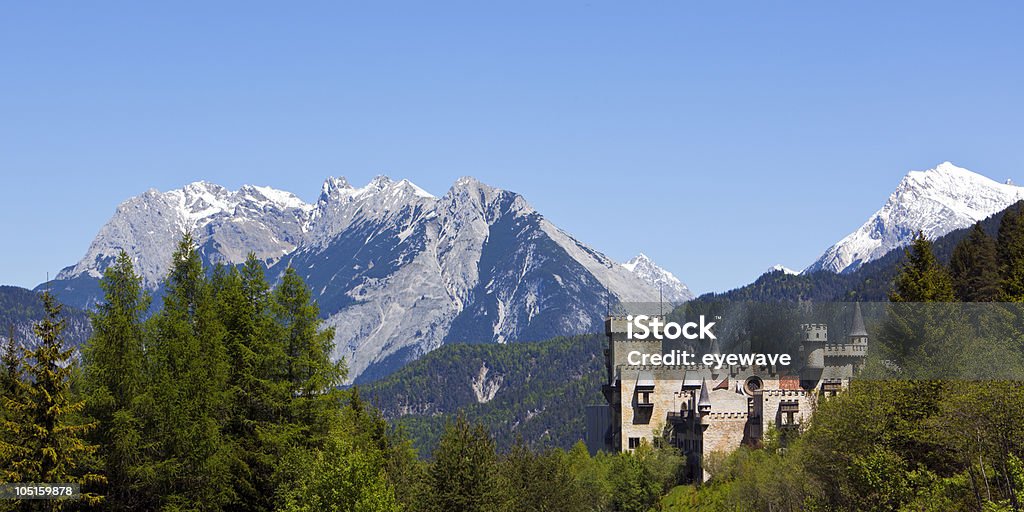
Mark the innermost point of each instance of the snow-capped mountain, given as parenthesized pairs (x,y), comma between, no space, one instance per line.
(781,268)
(935,201)
(396,270)
(227,226)
(673,290)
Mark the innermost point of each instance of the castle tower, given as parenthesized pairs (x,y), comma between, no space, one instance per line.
(813,344)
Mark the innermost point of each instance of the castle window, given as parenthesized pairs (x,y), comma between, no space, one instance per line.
(643,399)
(788,411)
(634,443)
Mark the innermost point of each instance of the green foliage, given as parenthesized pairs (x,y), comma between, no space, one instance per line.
(463,476)
(1010,252)
(257,386)
(225,399)
(922,278)
(879,446)
(187,398)
(974,269)
(343,477)
(539,482)
(310,374)
(13,391)
(43,417)
(114,370)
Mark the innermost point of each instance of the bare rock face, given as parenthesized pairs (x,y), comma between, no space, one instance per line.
(227,226)
(935,201)
(397,271)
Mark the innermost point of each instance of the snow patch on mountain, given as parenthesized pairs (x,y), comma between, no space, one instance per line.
(935,201)
(672,289)
(226,224)
(782,268)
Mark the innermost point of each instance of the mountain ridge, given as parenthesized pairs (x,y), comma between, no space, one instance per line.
(397,271)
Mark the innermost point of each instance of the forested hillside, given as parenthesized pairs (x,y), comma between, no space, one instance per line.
(534,390)
(20,308)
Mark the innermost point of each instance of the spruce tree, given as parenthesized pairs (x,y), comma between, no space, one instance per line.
(114,378)
(464,475)
(1010,252)
(11,362)
(256,381)
(311,375)
(13,429)
(974,268)
(187,396)
(922,278)
(54,439)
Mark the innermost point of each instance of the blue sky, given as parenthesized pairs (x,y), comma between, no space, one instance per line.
(718,137)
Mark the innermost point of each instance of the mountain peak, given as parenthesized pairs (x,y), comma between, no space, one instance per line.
(379,182)
(332,185)
(640,259)
(415,189)
(778,267)
(644,267)
(934,201)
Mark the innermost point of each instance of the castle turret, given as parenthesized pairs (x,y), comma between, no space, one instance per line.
(813,346)
(858,333)
(704,403)
(815,338)
(717,351)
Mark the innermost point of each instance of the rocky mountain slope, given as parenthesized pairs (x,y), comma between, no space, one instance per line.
(397,271)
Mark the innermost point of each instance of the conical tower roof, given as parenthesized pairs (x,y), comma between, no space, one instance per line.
(857,329)
(705,400)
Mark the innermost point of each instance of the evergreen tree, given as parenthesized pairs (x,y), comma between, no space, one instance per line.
(113,371)
(922,278)
(46,414)
(311,375)
(10,381)
(13,429)
(187,396)
(1010,252)
(256,381)
(352,472)
(464,474)
(540,482)
(974,268)
(366,427)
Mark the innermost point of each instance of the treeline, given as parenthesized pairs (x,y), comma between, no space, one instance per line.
(226,398)
(895,441)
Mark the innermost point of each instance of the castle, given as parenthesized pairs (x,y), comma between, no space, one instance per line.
(702,409)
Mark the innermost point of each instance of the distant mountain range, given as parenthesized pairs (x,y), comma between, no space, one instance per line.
(397,271)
